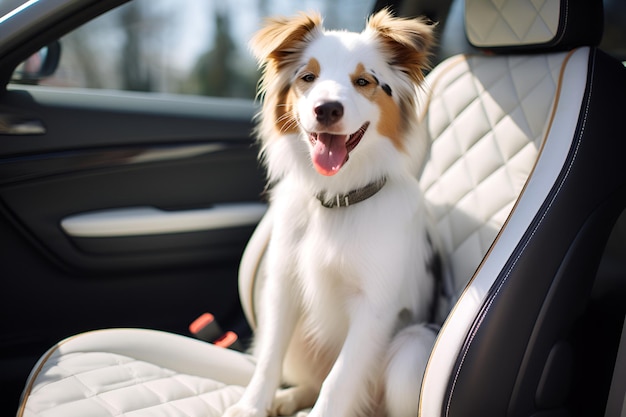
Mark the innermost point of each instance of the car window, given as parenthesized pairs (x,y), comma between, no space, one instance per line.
(182,46)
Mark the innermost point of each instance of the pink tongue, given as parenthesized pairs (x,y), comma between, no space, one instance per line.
(329,153)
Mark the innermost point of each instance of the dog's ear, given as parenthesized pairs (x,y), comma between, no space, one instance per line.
(407,42)
(281,38)
(277,46)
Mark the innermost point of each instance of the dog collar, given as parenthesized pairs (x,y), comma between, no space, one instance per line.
(352,197)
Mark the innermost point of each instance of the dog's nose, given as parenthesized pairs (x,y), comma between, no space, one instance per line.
(329,112)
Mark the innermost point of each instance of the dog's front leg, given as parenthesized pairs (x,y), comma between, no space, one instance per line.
(276,324)
(347,390)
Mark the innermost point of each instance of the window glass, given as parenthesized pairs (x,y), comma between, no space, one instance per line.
(182,46)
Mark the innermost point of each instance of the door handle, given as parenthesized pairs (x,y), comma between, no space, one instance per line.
(145,221)
(19,125)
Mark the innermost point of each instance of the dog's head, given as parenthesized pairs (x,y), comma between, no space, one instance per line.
(337,90)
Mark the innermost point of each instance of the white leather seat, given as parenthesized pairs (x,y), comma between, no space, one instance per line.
(135,372)
(507,133)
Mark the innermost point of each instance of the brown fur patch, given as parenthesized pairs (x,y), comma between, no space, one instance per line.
(390,123)
(278,47)
(282,39)
(312,68)
(285,121)
(406,41)
(368,90)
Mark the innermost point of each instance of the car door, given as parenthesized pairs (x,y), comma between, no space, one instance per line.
(117,208)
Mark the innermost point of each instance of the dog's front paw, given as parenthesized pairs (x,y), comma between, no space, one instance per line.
(289,400)
(284,404)
(241,410)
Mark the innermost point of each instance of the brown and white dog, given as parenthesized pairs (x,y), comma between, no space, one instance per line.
(351,265)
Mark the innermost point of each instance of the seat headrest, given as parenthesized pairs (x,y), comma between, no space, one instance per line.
(533,25)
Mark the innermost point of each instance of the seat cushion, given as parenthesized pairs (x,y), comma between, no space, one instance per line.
(135,372)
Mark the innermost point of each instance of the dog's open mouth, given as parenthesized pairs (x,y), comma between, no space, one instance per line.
(330,152)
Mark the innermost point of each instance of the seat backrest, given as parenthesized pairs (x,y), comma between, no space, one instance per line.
(488,119)
(526,181)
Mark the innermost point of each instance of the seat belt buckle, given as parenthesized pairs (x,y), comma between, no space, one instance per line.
(206,328)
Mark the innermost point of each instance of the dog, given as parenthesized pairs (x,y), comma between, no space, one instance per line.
(352,262)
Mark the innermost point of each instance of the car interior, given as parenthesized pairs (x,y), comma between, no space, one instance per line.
(525,177)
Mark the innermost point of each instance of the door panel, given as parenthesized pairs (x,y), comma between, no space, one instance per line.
(103,152)
(227,176)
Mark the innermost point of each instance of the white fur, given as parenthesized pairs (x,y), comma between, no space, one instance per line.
(341,281)
(406,362)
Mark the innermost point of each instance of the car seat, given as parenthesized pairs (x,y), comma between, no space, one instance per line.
(526,179)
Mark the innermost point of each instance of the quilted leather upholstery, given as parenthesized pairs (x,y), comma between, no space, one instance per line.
(510,22)
(487,118)
(135,373)
(533,25)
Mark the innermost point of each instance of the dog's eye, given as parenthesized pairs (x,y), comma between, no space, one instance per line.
(308,78)
(361,82)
